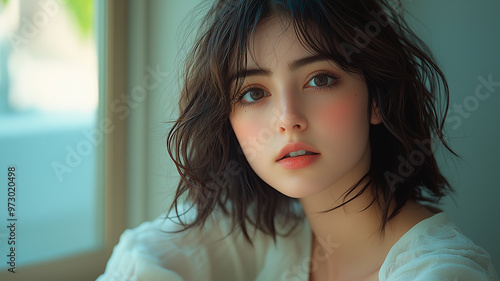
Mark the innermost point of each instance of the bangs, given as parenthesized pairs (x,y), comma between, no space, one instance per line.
(316,31)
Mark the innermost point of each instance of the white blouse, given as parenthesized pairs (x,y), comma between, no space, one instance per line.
(434,249)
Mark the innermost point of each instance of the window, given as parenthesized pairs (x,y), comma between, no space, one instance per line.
(58,73)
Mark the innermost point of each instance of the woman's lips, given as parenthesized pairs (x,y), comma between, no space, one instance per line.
(296,147)
(297,155)
(298,162)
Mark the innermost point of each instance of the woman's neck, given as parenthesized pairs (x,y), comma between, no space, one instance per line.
(347,243)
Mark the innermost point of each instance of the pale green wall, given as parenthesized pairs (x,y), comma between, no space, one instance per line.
(464,35)
(154,42)
(465,38)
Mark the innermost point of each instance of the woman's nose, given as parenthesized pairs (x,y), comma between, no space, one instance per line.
(291,116)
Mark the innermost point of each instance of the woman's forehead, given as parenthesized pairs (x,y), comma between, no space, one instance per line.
(273,35)
(271,39)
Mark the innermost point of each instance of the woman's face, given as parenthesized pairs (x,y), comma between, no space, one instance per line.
(293,102)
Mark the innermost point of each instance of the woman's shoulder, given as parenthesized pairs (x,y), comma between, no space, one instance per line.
(436,249)
(153,250)
(159,250)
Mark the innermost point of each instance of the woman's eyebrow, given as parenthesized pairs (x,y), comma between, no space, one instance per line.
(253,72)
(292,67)
(306,60)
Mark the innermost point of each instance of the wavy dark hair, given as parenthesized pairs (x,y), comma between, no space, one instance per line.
(366,37)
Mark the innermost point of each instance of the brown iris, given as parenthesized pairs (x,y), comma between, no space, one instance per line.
(321,80)
(256,94)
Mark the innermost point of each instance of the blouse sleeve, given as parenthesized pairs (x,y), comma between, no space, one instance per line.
(149,252)
(436,250)
(445,267)
(158,251)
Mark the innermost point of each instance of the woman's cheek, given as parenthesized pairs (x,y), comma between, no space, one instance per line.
(344,118)
(252,134)
(343,136)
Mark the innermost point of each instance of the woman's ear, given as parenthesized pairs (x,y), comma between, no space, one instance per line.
(376,118)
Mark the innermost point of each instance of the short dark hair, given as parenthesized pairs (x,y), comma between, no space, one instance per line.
(366,37)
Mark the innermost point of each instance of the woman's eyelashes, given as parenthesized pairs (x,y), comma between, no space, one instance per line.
(323,80)
(252,95)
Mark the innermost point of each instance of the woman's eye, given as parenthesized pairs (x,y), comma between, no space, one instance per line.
(321,80)
(253,95)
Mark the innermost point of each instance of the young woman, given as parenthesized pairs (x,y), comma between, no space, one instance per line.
(305,148)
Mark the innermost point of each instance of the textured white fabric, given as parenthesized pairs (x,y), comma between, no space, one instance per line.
(434,249)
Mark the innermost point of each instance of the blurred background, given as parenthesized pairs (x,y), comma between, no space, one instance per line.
(86,91)
(49,99)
